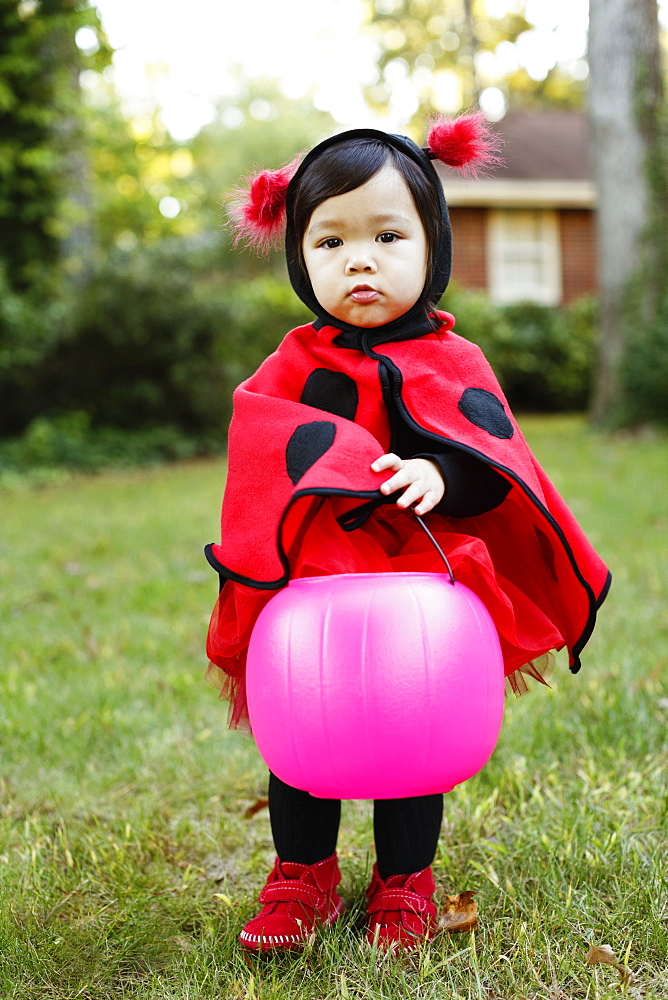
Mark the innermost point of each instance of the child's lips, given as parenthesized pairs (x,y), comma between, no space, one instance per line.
(364,294)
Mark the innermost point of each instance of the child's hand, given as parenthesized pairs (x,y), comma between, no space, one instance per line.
(422,477)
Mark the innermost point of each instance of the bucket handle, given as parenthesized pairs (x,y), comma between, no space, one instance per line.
(437,546)
(355,518)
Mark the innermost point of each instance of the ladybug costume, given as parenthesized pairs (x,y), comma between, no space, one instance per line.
(330,400)
(301,500)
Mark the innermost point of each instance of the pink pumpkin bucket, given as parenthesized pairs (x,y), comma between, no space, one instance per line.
(375,685)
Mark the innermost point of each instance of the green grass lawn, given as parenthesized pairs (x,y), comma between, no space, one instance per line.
(126,864)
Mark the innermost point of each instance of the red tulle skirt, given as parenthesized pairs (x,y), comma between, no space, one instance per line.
(389,541)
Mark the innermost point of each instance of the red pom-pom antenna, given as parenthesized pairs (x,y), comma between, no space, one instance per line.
(257,211)
(467,143)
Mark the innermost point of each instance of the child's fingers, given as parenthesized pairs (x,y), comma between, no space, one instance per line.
(404,477)
(428,502)
(416,491)
(411,472)
(389,461)
(427,499)
(417,474)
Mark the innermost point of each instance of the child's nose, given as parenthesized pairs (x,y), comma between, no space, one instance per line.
(360,263)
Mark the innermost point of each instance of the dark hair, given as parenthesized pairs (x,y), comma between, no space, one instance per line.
(346,166)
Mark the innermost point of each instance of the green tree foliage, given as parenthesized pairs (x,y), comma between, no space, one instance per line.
(261,129)
(153,343)
(162,323)
(40,129)
(449,54)
(170,317)
(136,164)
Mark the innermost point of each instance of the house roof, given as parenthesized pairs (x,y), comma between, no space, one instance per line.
(546,162)
(545,145)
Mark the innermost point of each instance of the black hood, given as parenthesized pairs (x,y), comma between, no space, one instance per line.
(413,323)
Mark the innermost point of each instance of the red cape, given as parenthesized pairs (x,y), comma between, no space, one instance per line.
(286,448)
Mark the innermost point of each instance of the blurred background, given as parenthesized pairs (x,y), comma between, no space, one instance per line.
(126,317)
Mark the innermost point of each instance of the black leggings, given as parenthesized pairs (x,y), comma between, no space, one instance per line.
(305,829)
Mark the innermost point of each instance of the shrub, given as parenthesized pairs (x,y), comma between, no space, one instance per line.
(644,365)
(160,338)
(145,362)
(553,356)
(645,377)
(69,441)
(143,348)
(31,323)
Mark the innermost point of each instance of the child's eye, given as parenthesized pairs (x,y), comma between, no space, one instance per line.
(331,243)
(387,237)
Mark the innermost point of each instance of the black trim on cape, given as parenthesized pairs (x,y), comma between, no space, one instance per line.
(594,602)
(391,381)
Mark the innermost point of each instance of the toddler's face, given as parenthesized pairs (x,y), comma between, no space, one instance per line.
(366,251)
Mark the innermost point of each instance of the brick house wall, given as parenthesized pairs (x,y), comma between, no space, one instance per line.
(577,245)
(469,256)
(578,253)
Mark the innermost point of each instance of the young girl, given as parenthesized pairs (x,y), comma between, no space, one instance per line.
(373,408)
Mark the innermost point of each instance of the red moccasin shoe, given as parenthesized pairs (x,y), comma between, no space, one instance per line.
(401,911)
(297,898)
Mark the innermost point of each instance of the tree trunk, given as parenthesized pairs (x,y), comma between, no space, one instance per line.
(624,94)
(472,47)
(61,56)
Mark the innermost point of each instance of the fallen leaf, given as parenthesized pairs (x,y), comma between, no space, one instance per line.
(257,807)
(460,913)
(600,955)
(603,955)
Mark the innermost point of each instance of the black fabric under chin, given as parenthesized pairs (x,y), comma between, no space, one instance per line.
(305,829)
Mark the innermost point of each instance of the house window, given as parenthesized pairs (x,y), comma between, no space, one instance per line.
(523,256)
